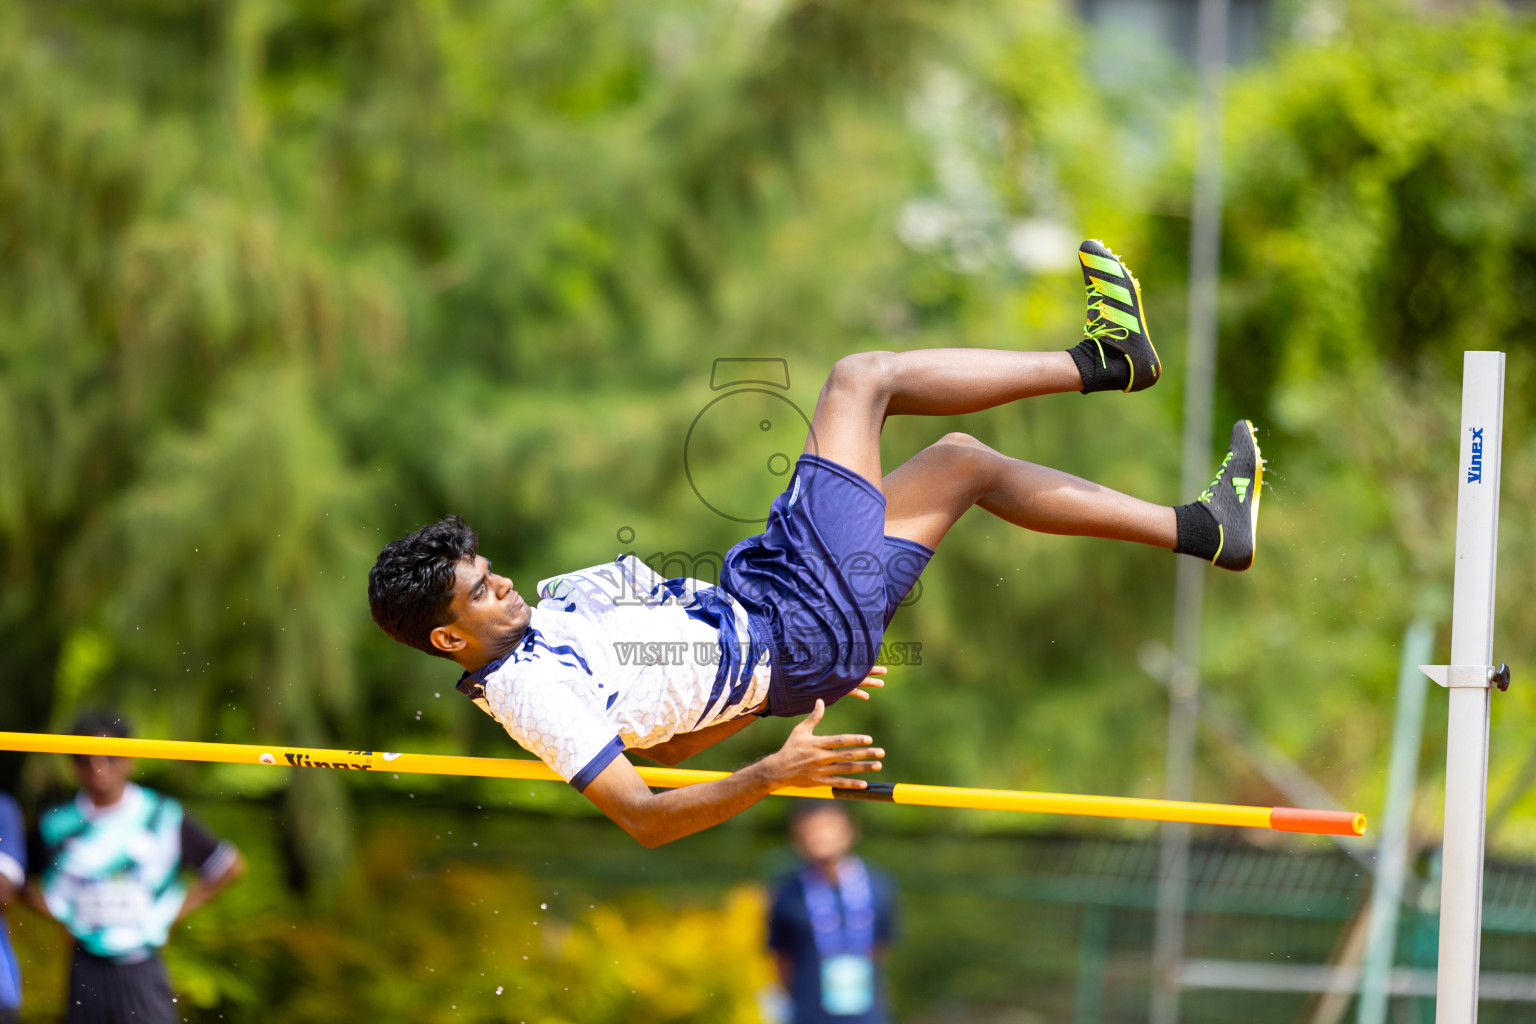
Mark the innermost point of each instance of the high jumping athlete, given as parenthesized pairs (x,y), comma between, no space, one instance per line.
(795,620)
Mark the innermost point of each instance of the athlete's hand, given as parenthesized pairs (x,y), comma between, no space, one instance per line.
(874,681)
(806,759)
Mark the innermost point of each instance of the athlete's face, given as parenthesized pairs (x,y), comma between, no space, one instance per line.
(489,616)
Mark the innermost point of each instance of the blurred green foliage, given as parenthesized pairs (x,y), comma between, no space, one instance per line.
(285,279)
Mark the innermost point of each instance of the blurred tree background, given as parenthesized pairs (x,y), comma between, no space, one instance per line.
(287,278)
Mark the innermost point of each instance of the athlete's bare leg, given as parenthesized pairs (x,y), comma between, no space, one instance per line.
(927,494)
(863,389)
(930,491)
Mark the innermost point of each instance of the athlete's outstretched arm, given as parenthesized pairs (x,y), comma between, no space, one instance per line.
(684,745)
(805,759)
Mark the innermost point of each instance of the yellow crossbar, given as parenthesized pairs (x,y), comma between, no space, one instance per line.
(1285,819)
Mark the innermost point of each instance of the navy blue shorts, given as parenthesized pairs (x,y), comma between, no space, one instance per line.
(822,582)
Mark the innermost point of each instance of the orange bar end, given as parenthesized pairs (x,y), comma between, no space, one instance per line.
(1323,823)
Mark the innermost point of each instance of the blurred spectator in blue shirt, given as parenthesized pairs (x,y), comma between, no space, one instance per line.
(13,872)
(831,923)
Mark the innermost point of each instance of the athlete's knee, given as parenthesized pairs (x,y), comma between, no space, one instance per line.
(863,375)
(962,441)
(966,458)
(962,447)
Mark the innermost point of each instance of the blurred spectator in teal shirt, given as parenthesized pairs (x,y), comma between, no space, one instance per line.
(110,874)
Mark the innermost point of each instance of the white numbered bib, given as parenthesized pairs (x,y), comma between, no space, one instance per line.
(111,903)
(847,985)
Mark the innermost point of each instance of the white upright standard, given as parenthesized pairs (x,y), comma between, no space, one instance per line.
(1470,677)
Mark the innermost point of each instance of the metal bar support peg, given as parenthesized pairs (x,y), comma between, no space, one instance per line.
(1477,677)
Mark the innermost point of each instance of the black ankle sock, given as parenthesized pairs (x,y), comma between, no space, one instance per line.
(1101,372)
(1198,533)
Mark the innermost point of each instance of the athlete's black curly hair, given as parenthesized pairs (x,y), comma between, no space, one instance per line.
(410,587)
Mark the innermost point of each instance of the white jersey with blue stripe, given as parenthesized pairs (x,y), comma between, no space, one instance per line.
(615,656)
